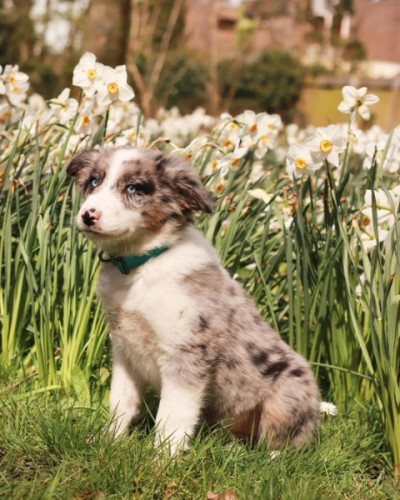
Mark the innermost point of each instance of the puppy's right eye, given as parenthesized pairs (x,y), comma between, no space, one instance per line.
(93,182)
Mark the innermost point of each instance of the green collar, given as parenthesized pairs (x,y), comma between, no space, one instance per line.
(126,264)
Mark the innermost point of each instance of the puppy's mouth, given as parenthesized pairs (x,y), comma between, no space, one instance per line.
(92,231)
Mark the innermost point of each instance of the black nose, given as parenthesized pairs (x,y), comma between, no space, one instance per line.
(88,220)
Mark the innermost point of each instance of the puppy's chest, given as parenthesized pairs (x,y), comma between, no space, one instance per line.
(147,315)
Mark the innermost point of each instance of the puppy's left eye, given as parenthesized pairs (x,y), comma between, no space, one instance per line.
(131,189)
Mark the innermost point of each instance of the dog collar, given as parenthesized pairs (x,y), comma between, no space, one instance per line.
(126,264)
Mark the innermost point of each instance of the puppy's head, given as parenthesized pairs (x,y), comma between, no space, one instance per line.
(133,194)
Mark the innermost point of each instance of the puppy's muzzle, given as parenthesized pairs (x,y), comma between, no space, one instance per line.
(89,217)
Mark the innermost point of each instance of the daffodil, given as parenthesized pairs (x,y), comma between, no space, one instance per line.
(16,84)
(368,237)
(232,159)
(299,161)
(357,101)
(113,86)
(386,205)
(64,107)
(261,194)
(87,73)
(327,143)
(5,114)
(86,120)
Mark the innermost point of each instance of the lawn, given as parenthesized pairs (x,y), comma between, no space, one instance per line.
(52,447)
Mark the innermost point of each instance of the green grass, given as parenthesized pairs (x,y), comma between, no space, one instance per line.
(52,447)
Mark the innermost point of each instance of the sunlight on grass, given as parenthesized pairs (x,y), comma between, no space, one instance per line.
(53,448)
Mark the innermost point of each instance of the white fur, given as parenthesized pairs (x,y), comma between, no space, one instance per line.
(156,294)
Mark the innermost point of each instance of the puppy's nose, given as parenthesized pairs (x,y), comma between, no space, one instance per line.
(90,216)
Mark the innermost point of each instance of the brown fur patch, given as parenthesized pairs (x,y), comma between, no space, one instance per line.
(87,163)
(205,278)
(246,425)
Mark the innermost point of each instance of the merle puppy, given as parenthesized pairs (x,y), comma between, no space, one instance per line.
(178,321)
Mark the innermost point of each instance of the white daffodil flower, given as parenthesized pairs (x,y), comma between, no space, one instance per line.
(64,107)
(86,120)
(232,159)
(327,143)
(260,194)
(299,161)
(368,236)
(87,73)
(357,101)
(16,84)
(386,209)
(113,86)
(5,114)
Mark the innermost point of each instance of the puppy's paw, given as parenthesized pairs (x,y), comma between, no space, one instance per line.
(172,444)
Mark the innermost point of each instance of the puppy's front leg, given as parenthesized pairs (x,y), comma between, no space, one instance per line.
(125,395)
(178,413)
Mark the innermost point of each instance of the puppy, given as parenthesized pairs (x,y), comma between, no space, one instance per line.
(178,321)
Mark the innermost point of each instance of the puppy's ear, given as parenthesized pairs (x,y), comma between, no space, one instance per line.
(184,180)
(81,162)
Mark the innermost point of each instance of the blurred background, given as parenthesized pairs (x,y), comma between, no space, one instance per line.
(282,56)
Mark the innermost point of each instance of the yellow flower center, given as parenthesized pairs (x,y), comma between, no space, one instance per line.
(219,188)
(85,120)
(253,128)
(132,136)
(214,165)
(16,89)
(365,221)
(112,88)
(300,163)
(188,156)
(270,126)
(91,74)
(11,79)
(234,162)
(228,143)
(234,126)
(325,146)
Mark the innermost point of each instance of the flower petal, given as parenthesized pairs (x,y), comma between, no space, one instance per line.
(345,107)
(125,92)
(371,99)
(349,93)
(364,112)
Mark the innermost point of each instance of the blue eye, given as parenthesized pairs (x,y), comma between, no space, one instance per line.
(94,182)
(131,189)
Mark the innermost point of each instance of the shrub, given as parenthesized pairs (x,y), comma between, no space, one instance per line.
(272,83)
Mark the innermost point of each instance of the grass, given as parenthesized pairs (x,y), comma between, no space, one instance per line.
(53,447)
